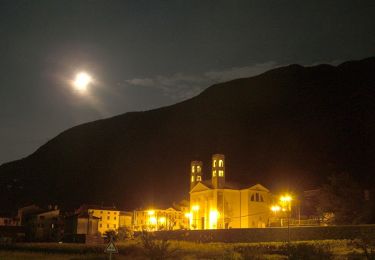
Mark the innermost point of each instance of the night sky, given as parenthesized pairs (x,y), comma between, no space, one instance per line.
(147,54)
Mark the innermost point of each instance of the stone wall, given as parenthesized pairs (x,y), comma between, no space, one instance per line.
(270,234)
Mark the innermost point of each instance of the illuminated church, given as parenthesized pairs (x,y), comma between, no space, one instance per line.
(216,204)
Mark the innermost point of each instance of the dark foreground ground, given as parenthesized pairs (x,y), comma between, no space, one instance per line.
(155,249)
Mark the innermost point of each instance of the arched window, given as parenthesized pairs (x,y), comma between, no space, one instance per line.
(252,197)
(192,178)
(214,173)
(221,163)
(221,173)
(261,198)
(256,196)
(199,168)
(199,178)
(193,169)
(214,163)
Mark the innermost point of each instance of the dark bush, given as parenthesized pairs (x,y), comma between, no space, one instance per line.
(110,235)
(366,245)
(156,249)
(125,233)
(307,251)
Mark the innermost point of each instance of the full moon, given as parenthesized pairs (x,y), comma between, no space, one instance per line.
(82,81)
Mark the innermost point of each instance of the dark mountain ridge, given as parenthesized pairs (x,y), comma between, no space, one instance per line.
(287,128)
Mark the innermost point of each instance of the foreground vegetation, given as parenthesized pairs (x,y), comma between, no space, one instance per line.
(147,247)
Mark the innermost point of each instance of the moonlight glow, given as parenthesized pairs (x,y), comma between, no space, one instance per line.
(82,81)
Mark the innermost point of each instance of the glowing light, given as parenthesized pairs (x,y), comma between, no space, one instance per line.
(286,198)
(188,215)
(286,202)
(82,81)
(214,215)
(162,220)
(151,212)
(275,208)
(152,221)
(195,207)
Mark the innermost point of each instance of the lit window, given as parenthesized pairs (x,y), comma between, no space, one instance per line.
(214,163)
(192,178)
(199,168)
(199,178)
(221,173)
(221,163)
(192,169)
(214,173)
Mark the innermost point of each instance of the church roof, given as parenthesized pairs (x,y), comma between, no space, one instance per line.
(231,186)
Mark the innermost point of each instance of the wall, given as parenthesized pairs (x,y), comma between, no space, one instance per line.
(270,234)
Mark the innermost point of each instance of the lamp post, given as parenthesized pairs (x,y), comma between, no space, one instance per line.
(275,209)
(286,203)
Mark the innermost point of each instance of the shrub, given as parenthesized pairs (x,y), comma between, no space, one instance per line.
(366,245)
(247,252)
(308,251)
(125,233)
(156,249)
(110,235)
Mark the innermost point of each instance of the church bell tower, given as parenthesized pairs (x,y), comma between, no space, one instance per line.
(195,173)
(218,171)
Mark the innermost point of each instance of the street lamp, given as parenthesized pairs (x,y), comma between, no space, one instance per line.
(286,203)
(275,208)
(189,216)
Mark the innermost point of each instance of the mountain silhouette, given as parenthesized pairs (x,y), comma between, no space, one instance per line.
(288,129)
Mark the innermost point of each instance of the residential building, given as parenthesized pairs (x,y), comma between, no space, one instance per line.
(126,219)
(218,204)
(47,225)
(81,223)
(9,220)
(159,219)
(109,217)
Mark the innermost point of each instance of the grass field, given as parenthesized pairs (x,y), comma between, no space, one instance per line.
(325,249)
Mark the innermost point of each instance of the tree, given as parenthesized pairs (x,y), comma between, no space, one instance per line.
(342,199)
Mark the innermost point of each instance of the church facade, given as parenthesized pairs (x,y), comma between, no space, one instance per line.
(217,204)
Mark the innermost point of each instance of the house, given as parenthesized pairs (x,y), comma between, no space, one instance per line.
(218,204)
(126,219)
(47,225)
(108,217)
(9,220)
(159,219)
(10,228)
(81,224)
(82,228)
